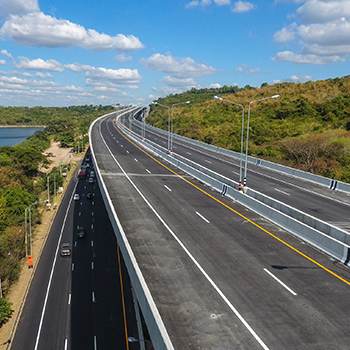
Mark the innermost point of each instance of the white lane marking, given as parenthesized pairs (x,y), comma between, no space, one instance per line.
(75,243)
(93,297)
(135,160)
(92,265)
(72,266)
(280,282)
(208,161)
(69,298)
(278,190)
(51,274)
(95,342)
(92,226)
(92,214)
(66,344)
(202,217)
(92,243)
(218,290)
(189,153)
(80,213)
(148,171)
(127,151)
(169,189)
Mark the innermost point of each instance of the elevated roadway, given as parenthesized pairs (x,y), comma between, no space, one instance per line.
(208,272)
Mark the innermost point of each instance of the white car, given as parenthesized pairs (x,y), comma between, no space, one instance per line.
(76,197)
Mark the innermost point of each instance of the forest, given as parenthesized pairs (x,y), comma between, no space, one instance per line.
(21,182)
(307,127)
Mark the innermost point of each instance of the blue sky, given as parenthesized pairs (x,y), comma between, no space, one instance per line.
(62,53)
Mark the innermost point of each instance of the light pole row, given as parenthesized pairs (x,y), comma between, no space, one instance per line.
(242,132)
(170,123)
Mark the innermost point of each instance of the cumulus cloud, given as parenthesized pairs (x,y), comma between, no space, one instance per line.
(301,77)
(18,7)
(43,75)
(39,64)
(242,6)
(2,62)
(172,81)
(289,56)
(177,66)
(34,28)
(120,76)
(323,35)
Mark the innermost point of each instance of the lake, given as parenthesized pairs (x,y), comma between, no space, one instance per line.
(13,136)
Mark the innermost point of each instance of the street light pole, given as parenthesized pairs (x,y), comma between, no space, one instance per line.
(172,123)
(246,151)
(156,103)
(241,157)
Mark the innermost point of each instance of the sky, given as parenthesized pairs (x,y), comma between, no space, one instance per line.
(64,53)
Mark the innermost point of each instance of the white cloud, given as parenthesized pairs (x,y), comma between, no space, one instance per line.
(177,66)
(242,6)
(215,86)
(123,58)
(289,56)
(93,74)
(43,75)
(324,35)
(301,77)
(18,7)
(285,34)
(172,81)
(192,4)
(245,69)
(2,62)
(38,29)
(39,64)
(323,11)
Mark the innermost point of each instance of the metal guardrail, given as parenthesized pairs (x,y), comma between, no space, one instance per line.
(328,238)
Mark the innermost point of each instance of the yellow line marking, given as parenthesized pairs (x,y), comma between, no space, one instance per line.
(236,212)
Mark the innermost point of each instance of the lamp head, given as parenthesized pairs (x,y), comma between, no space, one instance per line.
(275,96)
(217,98)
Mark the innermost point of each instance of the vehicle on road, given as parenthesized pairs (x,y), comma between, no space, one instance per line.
(89,195)
(66,249)
(80,231)
(82,172)
(91,180)
(76,197)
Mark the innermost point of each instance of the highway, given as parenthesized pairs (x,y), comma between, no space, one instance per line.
(318,201)
(77,302)
(221,276)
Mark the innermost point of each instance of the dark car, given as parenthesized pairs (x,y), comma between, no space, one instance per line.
(89,195)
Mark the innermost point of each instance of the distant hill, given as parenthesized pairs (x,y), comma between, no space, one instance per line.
(307,127)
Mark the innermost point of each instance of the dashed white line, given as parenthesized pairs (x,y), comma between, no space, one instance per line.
(280,282)
(135,160)
(169,189)
(92,243)
(72,266)
(95,343)
(92,265)
(66,344)
(148,171)
(208,161)
(286,193)
(202,217)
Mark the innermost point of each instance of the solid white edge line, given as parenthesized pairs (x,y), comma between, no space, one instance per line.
(280,282)
(66,344)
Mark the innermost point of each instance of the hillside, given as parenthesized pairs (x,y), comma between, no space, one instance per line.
(307,127)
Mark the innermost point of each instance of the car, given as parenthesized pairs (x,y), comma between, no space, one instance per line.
(91,180)
(92,173)
(89,195)
(76,197)
(66,249)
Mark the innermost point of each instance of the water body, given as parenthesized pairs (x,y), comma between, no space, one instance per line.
(13,136)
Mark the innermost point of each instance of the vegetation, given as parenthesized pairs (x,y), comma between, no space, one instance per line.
(21,183)
(307,127)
